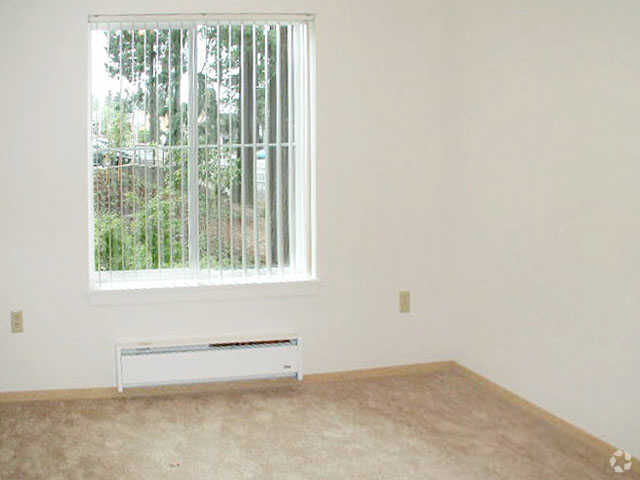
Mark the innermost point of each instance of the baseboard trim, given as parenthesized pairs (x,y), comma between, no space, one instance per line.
(393,371)
(107,393)
(603,448)
(578,434)
(112,392)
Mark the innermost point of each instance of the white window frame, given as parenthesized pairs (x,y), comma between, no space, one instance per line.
(180,284)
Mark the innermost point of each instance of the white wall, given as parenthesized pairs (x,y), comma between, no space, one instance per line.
(482,157)
(378,123)
(543,158)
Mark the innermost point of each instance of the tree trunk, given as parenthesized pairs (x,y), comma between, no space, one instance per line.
(151,94)
(247,93)
(285,138)
(272,166)
(175,131)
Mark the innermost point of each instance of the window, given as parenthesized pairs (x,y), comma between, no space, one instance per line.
(200,146)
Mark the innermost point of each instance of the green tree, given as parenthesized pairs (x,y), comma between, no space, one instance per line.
(117,112)
(155,63)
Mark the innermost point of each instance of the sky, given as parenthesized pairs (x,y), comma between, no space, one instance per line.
(101,82)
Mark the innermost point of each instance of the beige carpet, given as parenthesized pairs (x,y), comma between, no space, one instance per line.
(440,426)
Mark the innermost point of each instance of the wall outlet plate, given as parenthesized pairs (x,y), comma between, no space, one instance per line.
(17,324)
(405,301)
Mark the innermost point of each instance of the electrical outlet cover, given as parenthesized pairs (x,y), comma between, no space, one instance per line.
(405,301)
(17,325)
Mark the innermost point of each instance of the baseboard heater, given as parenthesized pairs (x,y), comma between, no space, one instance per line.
(145,363)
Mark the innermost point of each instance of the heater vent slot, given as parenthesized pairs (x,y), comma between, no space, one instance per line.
(150,350)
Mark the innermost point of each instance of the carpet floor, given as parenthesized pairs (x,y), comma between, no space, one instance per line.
(441,425)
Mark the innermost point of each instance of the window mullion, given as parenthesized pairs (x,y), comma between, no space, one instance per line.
(301,152)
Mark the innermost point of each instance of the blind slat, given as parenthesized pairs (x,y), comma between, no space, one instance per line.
(290,120)
(218,151)
(243,154)
(230,151)
(267,158)
(254,115)
(279,250)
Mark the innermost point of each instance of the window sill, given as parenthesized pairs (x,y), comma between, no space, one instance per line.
(156,292)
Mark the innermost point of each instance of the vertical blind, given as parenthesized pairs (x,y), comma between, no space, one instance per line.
(199,142)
